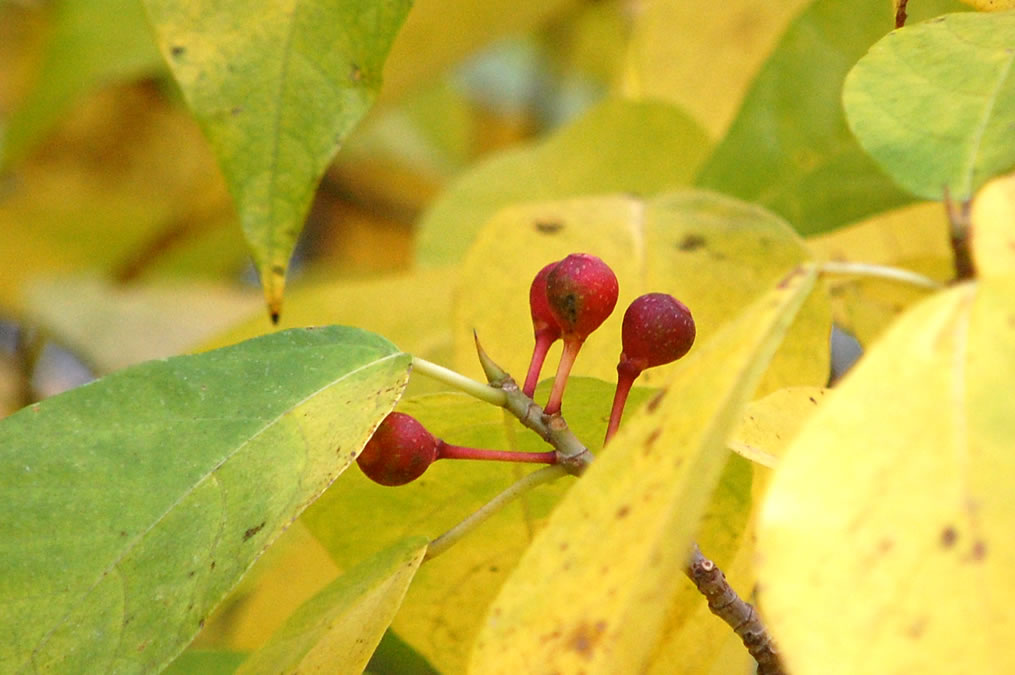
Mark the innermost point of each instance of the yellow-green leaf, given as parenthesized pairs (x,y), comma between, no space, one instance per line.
(886,538)
(338,629)
(586,594)
(993,228)
(134,503)
(618,146)
(991,5)
(276,86)
(951,129)
(714,253)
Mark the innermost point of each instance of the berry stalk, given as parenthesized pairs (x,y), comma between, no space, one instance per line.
(625,380)
(567,359)
(543,344)
(448,451)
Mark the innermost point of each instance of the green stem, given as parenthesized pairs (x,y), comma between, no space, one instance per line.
(880,272)
(451,537)
(483,392)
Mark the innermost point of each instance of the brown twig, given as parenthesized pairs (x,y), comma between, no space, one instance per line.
(900,13)
(959,236)
(739,615)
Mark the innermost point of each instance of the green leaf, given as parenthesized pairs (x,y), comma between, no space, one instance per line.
(338,629)
(578,599)
(277,87)
(618,146)
(206,662)
(133,504)
(93,42)
(789,148)
(934,104)
(714,253)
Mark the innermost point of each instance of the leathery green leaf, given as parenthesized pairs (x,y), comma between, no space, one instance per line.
(951,132)
(133,504)
(276,86)
(585,595)
(789,147)
(338,629)
(885,538)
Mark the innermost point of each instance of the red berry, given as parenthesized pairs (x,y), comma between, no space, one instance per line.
(399,451)
(543,321)
(582,291)
(657,329)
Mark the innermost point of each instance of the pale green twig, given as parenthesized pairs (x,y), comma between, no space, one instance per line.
(879,272)
(483,392)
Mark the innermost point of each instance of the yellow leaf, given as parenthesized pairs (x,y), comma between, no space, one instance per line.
(714,253)
(338,629)
(991,5)
(768,424)
(590,593)
(886,538)
(993,227)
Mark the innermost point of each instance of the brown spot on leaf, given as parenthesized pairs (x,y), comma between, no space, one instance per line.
(548,226)
(915,630)
(656,400)
(355,73)
(585,638)
(652,438)
(278,269)
(979,551)
(948,537)
(691,242)
(885,545)
(797,271)
(623,511)
(252,531)
(177,51)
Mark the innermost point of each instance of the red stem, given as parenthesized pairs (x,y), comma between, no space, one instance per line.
(567,357)
(543,341)
(625,380)
(448,451)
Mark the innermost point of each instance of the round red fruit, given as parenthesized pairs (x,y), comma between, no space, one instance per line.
(399,451)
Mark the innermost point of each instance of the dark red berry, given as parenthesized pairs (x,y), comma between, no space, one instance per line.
(543,321)
(581,291)
(399,451)
(657,329)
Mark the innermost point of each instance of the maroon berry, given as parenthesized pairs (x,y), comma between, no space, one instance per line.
(399,451)
(544,327)
(657,329)
(582,291)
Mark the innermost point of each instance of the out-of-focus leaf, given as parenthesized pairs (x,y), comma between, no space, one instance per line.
(277,88)
(111,327)
(789,148)
(92,42)
(132,504)
(446,602)
(993,228)
(769,423)
(338,629)
(618,146)
(951,131)
(463,27)
(913,238)
(206,662)
(991,5)
(702,57)
(886,539)
(586,594)
(714,253)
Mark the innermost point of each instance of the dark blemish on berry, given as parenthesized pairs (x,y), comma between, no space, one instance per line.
(548,226)
(570,308)
(691,242)
(252,531)
(177,51)
(948,537)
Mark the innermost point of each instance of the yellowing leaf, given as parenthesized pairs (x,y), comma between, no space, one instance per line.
(714,253)
(338,629)
(991,5)
(586,594)
(276,86)
(886,538)
(618,146)
(952,129)
(702,57)
(769,423)
(993,228)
